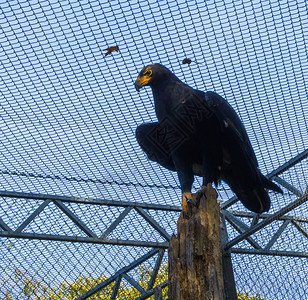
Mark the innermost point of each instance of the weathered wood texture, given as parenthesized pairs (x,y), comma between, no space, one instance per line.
(195,264)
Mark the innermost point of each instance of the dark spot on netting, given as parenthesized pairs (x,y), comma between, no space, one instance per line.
(186,61)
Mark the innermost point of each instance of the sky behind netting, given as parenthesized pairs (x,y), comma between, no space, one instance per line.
(69,113)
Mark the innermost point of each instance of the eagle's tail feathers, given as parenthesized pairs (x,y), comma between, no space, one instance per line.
(256,200)
(271,185)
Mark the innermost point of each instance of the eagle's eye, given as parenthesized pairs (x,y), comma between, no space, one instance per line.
(148,73)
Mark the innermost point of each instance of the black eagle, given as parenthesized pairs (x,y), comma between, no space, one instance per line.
(200,134)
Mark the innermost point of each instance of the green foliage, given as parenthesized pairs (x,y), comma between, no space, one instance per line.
(245,296)
(65,290)
(39,290)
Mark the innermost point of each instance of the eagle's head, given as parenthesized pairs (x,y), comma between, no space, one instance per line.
(151,75)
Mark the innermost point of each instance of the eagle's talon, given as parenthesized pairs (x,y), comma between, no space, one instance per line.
(200,194)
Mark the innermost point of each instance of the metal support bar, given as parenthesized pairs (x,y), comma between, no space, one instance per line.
(75,239)
(116,288)
(124,270)
(151,292)
(4,226)
(153,223)
(134,283)
(123,214)
(277,234)
(246,214)
(26,222)
(300,228)
(269,252)
(240,227)
(34,196)
(290,163)
(229,202)
(288,186)
(268,220)
(158,293)
(156,269)
(255,219)
(228,275)
(75,219)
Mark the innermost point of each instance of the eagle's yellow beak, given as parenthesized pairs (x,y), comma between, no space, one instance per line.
(141,81)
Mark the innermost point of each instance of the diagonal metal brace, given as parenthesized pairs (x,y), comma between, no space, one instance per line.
(277,234)
(156,269)
(151,292)
(4,226)
(267,221)
(118,220)
(300,228)
(134,283)
(26,222)
(124,270)
(288,186)
(240,227)
(116,288)
(75,219)
(153,223)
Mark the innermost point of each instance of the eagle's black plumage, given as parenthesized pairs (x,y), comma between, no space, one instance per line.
(199,133)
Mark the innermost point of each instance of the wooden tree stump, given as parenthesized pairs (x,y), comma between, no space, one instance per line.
(195,264)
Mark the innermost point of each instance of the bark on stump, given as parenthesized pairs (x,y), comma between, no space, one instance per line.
(195,264)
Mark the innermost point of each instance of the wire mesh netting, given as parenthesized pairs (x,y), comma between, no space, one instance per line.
(79,199)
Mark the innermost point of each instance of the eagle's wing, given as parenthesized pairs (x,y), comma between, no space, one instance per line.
(231,125)
(152,139)
(240,166)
